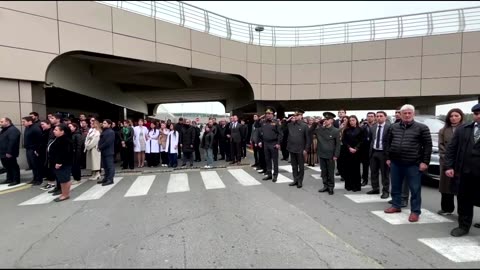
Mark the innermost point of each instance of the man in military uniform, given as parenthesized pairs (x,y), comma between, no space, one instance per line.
(328,151)
(298,143)
(270,138)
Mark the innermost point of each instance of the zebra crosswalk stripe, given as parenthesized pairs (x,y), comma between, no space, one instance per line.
(178,182)
(243,177)
(283,179)
(141,186)
(211,180)
(287,168)
(97,191)
(46,197)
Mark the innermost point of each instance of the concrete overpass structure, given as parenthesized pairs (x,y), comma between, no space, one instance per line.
(137,62)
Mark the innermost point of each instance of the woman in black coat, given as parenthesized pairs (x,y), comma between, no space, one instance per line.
(77,152)
(61,155)
(352,139)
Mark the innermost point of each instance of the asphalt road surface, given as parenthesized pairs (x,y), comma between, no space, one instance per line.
(224,218)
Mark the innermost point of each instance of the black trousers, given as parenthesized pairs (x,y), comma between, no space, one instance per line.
(298,167)
(328,172)
(164,157)
(188,156)
(236,151)
(467,198)
(215,149)
(271,155)
(35,165)
(365,160)
(77,167)
(128,156)
(378,164)
(13,170)
(256,155)
(448,202)
(223,145)
(198,157)
(108,164)
(153,159)
(351,170)
(244,149)
(285,153)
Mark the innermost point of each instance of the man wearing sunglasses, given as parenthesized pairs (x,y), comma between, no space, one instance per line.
(462,160)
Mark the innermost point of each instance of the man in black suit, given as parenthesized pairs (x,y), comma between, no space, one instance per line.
(106,145)
(462,159)
(236,136)
(366,145)
(32,141)
(9,151)
(378,157)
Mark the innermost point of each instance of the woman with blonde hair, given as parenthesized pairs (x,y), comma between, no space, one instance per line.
(91,149)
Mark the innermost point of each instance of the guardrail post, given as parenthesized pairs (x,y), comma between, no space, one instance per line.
(430,24)
(296,37)
(346,32)
(321,36)
(250,34)
(229,30)
(461,20)
(273,37)
(400,26)
(182,14)
(207,21)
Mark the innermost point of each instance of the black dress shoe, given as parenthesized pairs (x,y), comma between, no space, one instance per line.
(374,191)
(390,202)
(5,182)
(231,163)
(324,189)
(457,232)
(330,192)
(57,192)
(385,195)
(293,184)
(343,180)
(299,186)
(101,181)
(13,184)
(107,183)
(337,174)
(476,225)
(364,183)
(61,200)
(269,177)
(274,179)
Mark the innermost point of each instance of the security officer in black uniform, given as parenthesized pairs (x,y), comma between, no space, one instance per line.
(270,138)
(298,143)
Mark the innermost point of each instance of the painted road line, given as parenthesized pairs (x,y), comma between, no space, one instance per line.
(365,198)
(46,197)
(211,180)
(315,168)
(97,191)
(141,186)
(6,187)
(15,189)
(243,177)
(319,176)
(456,249)
(283,179)
(287,168)
(426,217)
(178,182)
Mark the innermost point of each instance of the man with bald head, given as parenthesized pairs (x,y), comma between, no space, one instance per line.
(9,150)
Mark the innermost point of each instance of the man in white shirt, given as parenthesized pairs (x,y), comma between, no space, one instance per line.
(378,156)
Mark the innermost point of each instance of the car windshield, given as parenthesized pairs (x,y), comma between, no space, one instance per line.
(433,124)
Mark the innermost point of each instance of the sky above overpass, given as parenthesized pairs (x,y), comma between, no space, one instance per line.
(298,13)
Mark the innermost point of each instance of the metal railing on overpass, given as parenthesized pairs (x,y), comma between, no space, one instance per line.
(421,24)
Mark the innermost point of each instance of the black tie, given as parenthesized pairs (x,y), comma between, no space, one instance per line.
(379,130)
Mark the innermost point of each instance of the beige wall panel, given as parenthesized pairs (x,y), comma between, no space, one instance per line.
(336,53)
(257,92)
(253,72)
(368,89)
(9,90)
(205,61)
(11,110)
(283,92)
(268,55)
(306,74)
(471,64)
(233,49)
(268,92)
(253,54)
(134,25)
(171,34)
(470,86)
(283,74)
(442,44)
(205,43)
(471,42)
(440,87)
(305,91)
(404,68)
(23,64)
(25,89)
(234,67)
(336,72)
(439,66)
(402,88)
(74,37)
(41,109)
(25,109)
(86,13)
(173,55)
(336,90)
(306,55)
(268,74)
(372,70)
(27,31)
(38,93)
(283,56)
(404,47)
(368,50)
(41,8)
(133,48)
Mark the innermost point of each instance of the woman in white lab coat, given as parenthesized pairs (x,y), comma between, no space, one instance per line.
(162,140)
(140,137)
(152,149)
(91,149)
(172,146)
